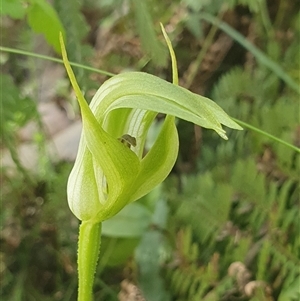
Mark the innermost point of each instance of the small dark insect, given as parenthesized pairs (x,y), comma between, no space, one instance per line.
(128,140)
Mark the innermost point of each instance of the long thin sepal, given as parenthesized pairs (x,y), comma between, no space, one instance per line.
(172,55)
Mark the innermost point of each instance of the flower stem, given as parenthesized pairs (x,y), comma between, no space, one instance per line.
(88,253)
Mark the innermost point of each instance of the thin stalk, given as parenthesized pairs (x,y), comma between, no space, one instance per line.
(52,59)
(193,69)
(261,132)
(257,53)
(265,19)
(88,253)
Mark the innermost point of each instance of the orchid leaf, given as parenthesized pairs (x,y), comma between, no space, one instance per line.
(132,221)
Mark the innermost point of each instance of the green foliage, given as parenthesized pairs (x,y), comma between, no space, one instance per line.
(41,17)
(76,33)
(13,8)
(240,205)
(290,291)
(261,57)
(242,209)
(189,281)
(132,221)
(253,5)
(38,241)
(18,110)
(258,207)
(153,251)
(193,22)
(213,204)
(254,98)
(147,34)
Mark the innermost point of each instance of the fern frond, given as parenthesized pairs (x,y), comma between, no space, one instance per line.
(190,281)
(205,205)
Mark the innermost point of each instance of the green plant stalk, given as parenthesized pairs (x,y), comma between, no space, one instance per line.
(88,254)
(52,59)
(193,69)
(263,133)
(258,54)
(265,19)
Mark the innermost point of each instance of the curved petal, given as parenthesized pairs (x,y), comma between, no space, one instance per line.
(148,92)
(159,161)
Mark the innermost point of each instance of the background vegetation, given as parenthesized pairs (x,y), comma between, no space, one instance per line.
(225,224)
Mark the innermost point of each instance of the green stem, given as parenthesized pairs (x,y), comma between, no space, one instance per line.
(258,54)
(265,19)
(194,67)
(272,137)
(53,59)
(88,253)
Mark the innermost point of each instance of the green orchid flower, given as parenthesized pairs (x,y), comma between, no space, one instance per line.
(111,169)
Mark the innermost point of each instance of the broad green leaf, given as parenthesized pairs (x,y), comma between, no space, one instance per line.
(150,256)
(13,8)
(148,37)
(116,251)
(42,18)
(132,221)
